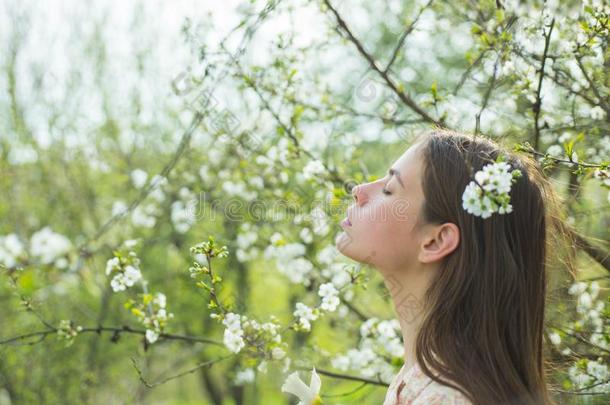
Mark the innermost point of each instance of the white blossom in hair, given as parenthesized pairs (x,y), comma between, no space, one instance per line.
(489,191)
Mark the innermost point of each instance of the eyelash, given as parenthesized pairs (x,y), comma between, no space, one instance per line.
(386,192)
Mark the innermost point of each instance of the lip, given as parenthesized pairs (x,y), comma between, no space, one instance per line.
(347,222)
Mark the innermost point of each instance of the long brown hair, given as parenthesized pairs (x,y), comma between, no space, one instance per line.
(484,320)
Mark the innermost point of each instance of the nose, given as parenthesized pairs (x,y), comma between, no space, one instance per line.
(357,194)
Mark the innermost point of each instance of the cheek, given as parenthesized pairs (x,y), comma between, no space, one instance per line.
(387,230)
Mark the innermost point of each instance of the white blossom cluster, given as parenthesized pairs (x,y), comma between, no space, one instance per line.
(124,276)
(11,250)
(305,315)
(319,220)
(155,321)
(234,334)
(238,189)
(152,313)
(313,169)
(183,210)
(491,193)
(591,309)
(593,376)
(245,239)
(379,340)
(244,376)
(330,297)
(339,276)
(68,331)
(237,327)
(139,178)
(146,213)
(124,267)
(587,373)
(604,175)
(49,247)
(289,260)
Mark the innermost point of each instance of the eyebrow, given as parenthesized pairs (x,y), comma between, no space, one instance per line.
(394,172)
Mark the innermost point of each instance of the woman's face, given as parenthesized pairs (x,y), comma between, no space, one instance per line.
(380,228)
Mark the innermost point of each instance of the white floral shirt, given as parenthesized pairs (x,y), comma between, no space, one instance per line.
(413,387)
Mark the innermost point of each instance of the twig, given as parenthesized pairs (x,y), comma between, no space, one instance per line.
(184,142)
(345,376)
(208,363)
(582,340)
(117,330)
(579,391)
(537,107)
(492,82)
(404,35)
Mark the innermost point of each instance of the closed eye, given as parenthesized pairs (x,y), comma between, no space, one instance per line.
(386,192)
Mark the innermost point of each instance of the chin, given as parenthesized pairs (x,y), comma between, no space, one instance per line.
(342,242)
(347,247)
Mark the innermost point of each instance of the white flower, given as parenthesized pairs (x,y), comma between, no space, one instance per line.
(131,275)
(577,288)
(276,238)
(48,246)
(183,215)
(204,173)
(330,297)
(305,315)
(119,207)
(491,194)
(555,150)
(319,221)
(117,283)
(233,335)
(244,376)
(125,279)
(10,249)
(256,182)
(313,168)
(238,190)
(144,215)
(597,113)
(139,177)
(111,265)
(160,300)
(278,353)
(306,235)
(308,395)
(151,336)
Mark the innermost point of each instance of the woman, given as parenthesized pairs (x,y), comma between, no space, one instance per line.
(469,291)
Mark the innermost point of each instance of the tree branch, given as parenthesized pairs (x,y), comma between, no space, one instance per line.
(404,35)
(117,331)
(345,376)
(408,101)
(538,104)
(205,364)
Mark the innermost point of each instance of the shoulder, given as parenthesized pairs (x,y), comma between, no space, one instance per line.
(438,394)
(422,390)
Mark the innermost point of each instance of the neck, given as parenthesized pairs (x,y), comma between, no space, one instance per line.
(407,290)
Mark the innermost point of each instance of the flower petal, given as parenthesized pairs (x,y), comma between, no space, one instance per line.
(294,385)
(315,383)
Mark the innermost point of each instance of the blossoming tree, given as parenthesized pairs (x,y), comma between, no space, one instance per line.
(182,244)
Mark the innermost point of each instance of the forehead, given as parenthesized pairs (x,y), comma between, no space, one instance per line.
(409,164)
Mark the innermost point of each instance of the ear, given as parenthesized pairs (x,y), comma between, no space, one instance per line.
(439,242)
